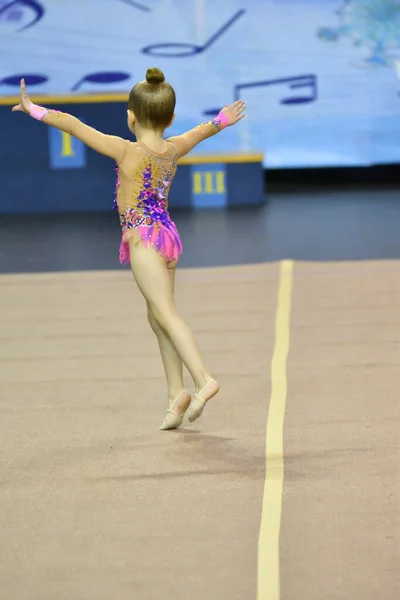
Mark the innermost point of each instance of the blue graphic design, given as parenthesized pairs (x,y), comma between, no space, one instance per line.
(14,11)
(66,152)
(184,50)
(104,78)
(137,5)
(373,23)
(309,102)
(209,186)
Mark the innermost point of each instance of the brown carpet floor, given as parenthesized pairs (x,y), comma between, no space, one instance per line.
(340,536)
(96,503)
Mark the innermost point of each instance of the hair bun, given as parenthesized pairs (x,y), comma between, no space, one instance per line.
(154,75)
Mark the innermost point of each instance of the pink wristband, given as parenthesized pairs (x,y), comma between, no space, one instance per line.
(37,112)
(222,119)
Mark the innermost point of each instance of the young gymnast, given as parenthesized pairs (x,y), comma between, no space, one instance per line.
(150,241)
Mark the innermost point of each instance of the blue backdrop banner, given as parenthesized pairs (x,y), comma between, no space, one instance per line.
(320,77)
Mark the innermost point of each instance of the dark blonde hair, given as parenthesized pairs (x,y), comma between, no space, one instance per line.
(153,101)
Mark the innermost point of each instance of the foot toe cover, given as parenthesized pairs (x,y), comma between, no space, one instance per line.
(197,406)
(172,421)
(196,409)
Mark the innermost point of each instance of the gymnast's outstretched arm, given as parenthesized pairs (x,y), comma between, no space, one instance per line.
(228,116)
(109,145)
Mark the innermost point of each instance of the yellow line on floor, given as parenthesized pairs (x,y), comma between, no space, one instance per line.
(268,583)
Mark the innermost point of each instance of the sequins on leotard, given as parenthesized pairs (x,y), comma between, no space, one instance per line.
(147,215)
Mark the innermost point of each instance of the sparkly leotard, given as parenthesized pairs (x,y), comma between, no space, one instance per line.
(144,179)
(141,199)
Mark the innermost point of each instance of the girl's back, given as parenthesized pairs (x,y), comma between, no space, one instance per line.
(145,177)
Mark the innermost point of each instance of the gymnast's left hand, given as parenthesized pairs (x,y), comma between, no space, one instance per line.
(25,104)
(234,112)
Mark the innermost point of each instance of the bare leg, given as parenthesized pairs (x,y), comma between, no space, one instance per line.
(152,276)
(173,365)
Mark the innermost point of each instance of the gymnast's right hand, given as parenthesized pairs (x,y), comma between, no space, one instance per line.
(25,104)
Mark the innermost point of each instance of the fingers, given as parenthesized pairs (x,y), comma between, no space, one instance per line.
(239,105)
(24,95)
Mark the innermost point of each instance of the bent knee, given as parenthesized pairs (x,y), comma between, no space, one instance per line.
(162,314)
(151,320)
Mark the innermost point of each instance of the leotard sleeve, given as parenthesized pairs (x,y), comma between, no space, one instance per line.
(187,141)
(109,145)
